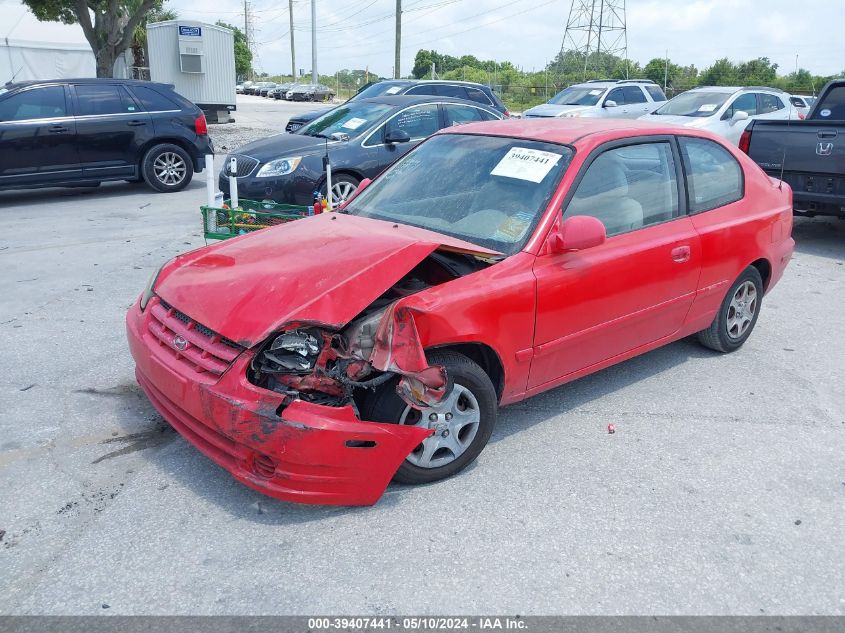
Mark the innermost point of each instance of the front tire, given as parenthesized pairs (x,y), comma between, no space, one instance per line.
(167,168)
(737,315)
(343,187)
(463,421)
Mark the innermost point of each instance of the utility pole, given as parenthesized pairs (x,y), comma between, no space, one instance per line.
(314,77)
(292,47)
(594,27)
(666,71)
(397,71)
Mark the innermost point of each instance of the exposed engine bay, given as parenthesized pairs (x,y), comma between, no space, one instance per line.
(314,364)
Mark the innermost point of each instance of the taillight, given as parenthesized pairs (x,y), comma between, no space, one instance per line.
(507,114)
(745,140)
(801,116)
(200,126)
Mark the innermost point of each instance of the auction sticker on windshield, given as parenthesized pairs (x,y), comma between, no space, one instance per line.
(707,107)
(354,123)
(526,164)
(393,90)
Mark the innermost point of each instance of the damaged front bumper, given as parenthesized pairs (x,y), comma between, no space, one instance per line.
(304,452)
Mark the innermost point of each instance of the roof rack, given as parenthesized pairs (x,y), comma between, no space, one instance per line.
(599,81)
(762,88)
(635,81)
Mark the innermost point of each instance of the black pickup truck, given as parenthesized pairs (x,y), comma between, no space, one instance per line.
(808,155)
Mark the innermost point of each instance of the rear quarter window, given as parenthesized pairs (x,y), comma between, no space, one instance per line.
(832,105)
(714,177)
(478,96)
(655,93)
(154,101)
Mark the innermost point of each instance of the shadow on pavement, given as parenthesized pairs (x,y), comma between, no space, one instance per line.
(821,236)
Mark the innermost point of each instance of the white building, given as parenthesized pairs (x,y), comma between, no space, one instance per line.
(30,49)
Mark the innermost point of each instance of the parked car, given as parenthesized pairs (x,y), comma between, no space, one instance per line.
(262,92)
(455,89)
(724,110)
(255,88)
(279,91)
(81,132)
(599,98)
(309,92)
(802,104)
(361,138)
(492,263)
(239,89)
(806,154)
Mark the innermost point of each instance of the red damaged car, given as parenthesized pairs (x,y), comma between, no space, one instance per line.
(318,360)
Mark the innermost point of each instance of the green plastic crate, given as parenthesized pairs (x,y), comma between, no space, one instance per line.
(250,216)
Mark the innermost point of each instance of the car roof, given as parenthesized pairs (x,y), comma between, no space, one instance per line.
(84,80)
(567,131)
(401,100)
(732,89)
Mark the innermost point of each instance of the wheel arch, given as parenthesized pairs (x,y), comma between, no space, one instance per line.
(484,356)
(348,171)
(167,140)
(764,267)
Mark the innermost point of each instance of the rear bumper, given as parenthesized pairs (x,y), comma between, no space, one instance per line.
(308,454)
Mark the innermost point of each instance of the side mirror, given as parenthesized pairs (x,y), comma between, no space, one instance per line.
(361,186)
(578,233)
(397,136)
(739,115)
(610,103)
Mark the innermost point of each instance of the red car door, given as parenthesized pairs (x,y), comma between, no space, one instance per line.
(634,289)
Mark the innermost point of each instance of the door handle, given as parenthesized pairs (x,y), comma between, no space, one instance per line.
(58,129)
(136,123)
(681,254)
(827,134)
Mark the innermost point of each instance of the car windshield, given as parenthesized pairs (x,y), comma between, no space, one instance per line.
(695,103)
(578,95)
(351,120)
(378,89)
(487,190)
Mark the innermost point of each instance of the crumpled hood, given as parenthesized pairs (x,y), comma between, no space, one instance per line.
(325,269)
(669,119)
(551,110)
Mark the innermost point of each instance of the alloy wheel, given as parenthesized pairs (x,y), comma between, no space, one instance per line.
(169,168)
(741,310)
(455,422)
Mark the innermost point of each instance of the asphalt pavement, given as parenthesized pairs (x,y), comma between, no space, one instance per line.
(722,490)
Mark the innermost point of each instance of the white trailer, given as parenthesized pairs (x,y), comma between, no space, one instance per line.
(199,60)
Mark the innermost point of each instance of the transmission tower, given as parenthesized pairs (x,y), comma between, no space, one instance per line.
(594,28)
(249,31)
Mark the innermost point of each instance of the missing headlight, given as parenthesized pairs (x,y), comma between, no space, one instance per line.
(291,352)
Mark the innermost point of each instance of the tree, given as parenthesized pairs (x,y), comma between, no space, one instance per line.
(108,25)
(243,56)
(139,37)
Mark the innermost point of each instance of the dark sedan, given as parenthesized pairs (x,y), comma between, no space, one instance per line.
(361,139)
(440,88)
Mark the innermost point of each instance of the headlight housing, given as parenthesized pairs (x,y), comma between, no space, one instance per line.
(569,115)
(279,167)
(149,290)
(293,352)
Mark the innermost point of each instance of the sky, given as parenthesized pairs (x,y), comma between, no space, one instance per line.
(360,33)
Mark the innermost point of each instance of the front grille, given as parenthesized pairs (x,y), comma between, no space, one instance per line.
(199,347)
(245,165)
(292,127)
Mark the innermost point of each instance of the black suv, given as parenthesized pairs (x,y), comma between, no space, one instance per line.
(439,88)
(80,132)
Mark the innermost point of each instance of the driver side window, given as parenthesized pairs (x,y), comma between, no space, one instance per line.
(617,96)
(746,103)
(629,188)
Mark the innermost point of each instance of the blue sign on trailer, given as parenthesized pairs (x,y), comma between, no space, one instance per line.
(193,31)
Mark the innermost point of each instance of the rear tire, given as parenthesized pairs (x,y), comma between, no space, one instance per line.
(167,168)
(737,315)
(464,420)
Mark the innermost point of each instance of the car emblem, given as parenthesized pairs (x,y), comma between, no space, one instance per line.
(180,343)
(824,149)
